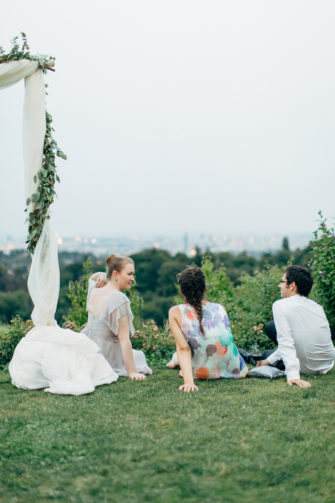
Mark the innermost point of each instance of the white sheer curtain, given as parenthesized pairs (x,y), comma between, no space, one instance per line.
(43,282)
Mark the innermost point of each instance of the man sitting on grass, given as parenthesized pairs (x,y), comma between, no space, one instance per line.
(301,329)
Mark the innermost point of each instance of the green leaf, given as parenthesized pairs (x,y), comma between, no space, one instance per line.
(35,178)
(61,154)
(28,201)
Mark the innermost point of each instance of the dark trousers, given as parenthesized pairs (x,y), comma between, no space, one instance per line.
(271,332)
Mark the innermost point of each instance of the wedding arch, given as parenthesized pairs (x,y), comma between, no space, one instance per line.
(39,154)
(48,357)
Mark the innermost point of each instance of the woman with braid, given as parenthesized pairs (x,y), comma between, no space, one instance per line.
(204,342)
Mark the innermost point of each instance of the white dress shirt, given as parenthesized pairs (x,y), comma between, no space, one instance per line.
(303,335)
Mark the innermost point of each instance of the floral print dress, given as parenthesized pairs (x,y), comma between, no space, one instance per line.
(214,354)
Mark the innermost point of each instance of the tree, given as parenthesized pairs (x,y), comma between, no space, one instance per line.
(15,303)
(167,277)
(285,244)
(148,264)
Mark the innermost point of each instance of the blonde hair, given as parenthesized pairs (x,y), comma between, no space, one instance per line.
(116,263)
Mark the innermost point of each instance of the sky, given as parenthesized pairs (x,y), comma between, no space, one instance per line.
(200,115)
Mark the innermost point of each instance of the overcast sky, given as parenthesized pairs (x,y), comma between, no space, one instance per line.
(209,116)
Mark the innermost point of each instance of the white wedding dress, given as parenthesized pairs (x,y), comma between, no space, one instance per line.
(56,359)
(60,361)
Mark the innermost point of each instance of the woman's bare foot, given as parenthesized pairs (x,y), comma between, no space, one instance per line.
(181,373)
(173,363)
(136,376)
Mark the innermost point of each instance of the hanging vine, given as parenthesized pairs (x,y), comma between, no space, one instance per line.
(46,177)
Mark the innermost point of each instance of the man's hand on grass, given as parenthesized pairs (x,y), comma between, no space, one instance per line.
(299,382)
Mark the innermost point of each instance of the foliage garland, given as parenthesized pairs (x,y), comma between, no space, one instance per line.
(46,176)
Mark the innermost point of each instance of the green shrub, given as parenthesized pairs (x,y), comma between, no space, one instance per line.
(10,336)
(322,266)
(136,303)
(157,344)
(157,309)
(220,289)
(250,308)
(77,294)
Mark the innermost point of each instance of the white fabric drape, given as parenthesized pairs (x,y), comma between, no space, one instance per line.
(14,71)
(49,357)
(33,115)
(43,282)
(33,129)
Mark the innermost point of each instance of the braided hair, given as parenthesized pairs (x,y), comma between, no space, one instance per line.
(193,285)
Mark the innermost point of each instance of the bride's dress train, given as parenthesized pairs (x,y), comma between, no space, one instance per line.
(59,360)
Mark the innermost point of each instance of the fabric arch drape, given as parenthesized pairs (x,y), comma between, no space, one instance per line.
(43,281)
(14,71)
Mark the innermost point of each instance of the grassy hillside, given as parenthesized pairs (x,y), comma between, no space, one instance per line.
(234,441)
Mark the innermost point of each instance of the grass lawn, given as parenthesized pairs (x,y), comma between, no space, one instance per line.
(248,441)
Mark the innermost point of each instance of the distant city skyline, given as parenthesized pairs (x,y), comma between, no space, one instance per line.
(185,243)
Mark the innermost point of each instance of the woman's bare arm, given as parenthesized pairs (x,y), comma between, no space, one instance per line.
(127,350)
(183,350)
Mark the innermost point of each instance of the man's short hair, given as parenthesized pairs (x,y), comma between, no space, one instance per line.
(302,277)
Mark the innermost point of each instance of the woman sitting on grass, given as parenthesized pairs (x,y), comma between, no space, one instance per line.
(204,342)
(110,318)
